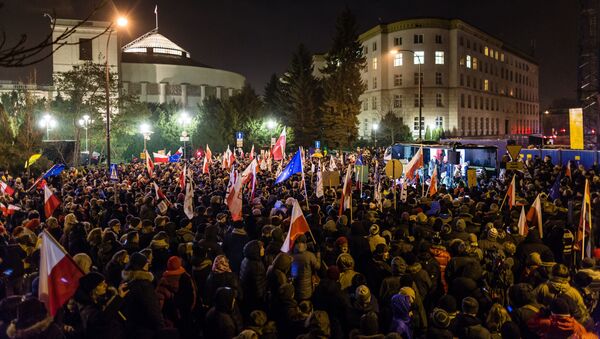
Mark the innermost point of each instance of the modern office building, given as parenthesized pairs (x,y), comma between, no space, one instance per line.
(473,84)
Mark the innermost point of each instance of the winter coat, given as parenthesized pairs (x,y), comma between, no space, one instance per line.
(358,308)
(220,321)
(421,279)
(459,264)
(532,243)
(222,279)
(329,297)
(141,307)
(210,242)
(100,321)
(470,327)
(556,286)
(177,297)
(112,272)
(43,329)
(558,326)
(401,316)
(443,258)
(305,263)
(278,272)
(378,270)
(439,333)
(286,313)
(253,276)
(233,246)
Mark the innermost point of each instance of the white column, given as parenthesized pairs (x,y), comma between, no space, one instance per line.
(144,91)
(219,88)
(162,90)
(202,92)
(184,99)
(230,92)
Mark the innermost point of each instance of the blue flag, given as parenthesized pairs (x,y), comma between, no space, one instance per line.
(293,167)
(54,171)
(555,190)
(359,161)
(175,157)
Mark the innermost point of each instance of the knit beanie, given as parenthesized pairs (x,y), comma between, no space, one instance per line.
(470,305)
(137,261)
(448,303)
(363,294)
(440,318)
(89,281)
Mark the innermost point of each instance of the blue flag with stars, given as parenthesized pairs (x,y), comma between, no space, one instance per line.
(359,161)
(54,171)
(555,190)
(293,167)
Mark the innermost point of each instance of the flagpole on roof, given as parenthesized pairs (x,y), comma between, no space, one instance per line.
(156,16)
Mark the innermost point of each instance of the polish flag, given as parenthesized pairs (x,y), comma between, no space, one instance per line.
(534,215)
(9,210)
(51,202)
(149,165)
(346,201)
(415,163)
(207,160)
(568,170)
(161,158)
(298,226)
(182,176)
(433,183)
(523,229)
(59,275)
(332,165)
(252,153)
(6,189)
(249,173)
(234,196)
(159,193)
(511,193)
(278,150)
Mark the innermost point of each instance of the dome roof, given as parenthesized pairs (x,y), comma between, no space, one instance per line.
(155,43)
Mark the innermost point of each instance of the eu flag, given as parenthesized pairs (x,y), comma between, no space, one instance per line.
(555,190)
(359,161)
(175,157)
(293,167)
(54,171)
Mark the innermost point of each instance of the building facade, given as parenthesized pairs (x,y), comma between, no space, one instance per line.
(472,83)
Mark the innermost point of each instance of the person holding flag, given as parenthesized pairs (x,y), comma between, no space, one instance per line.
(346,200)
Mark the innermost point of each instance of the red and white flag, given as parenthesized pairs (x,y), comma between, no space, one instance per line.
(161,158)
(188,202)
(433,182)
(58,275)
(298,226)
(234,196)
(252,153)
(182,176)
(249,173)
(346,200)
(278,150)
(159,193)
(585,224)
(4,188)
(51,202)
(332,165)
(534,215)
(523,228)
(414,164)
(149,165)
(9,210)
(511,193)
(207,160)
(568,170)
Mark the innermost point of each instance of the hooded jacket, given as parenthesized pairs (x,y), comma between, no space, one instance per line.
(141,307)
(278,272)
(253,275)
(401,316)
(559,326)
(220,322)
(556,286)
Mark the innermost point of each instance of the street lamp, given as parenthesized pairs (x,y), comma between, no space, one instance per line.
(48,123)
(375,128)
(184,120)
(146,131)
(395,51)
(121,22)
(85,123)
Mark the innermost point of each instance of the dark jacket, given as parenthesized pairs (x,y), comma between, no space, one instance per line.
(253,276)
(223,279)
(305,263)
(278,273)
(233,246)
(100,320)
(43,329)
(142,306)
(470,327)
(220,322)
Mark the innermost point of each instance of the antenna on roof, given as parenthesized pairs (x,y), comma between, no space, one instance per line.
(156,16)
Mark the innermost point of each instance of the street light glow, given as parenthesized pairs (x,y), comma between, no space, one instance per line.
(271,124)
(375,126)
(122,21)
(184,119)
(145,128)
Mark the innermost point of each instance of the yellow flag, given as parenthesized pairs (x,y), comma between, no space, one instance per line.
(32,159)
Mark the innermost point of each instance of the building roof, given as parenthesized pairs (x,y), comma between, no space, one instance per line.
(155,43)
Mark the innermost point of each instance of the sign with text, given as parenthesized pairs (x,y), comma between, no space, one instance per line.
(576,127)
(331,178)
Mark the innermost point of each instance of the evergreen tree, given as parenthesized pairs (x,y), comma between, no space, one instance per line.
(273,103)
(393,130)
(303,98)
(343,84)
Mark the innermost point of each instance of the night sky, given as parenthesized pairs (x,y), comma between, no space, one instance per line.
(257,37)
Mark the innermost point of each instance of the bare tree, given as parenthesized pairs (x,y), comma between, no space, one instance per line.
(22,53)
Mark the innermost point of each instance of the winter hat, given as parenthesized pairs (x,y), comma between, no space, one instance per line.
(369,324)
(492,233)
(461,225)
(398,265)
(380,249)
(70,219)
(174,266)
(560,306)
(345,262)
(409,292)
(447,303)
(440,318)
(341,241)
(470,305)
(259,318)
(247,334)
(363,294)
(113,222)
(30,312)
(90,281)
(533,259)
(137,261)
(374,229)
(301,239)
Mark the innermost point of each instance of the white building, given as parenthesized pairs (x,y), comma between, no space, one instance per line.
(472,83)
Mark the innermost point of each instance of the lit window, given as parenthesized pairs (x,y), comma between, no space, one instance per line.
(374,63)
(439,100)
(502,57)
(486,51)
(486,85)
(419,57)
(491,53)
(397,79)
(496,55)
(475,63)
(462,61)
(418,38)
(398,59)
(397,101)
(468,61)
(439,122)
(439,57)
(438,78)
(398,41)
(416,123)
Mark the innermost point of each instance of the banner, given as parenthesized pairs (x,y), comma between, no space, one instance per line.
(576,127)
(472,177)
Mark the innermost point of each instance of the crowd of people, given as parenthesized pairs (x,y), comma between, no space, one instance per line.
(452,264)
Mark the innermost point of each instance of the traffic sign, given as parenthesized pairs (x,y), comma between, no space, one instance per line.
(184,138)
(514,166)
(393,169)
(514,150)
(114,173)
(239,143)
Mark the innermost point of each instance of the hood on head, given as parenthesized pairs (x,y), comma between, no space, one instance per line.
(401,306)
(283,262)
(252,250)
(224,297)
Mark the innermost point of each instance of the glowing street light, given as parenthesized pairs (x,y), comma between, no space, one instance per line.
(85,123)
(48,122)
(375,127)
(122,21)
(184,120)
(146,131)
(271,124)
